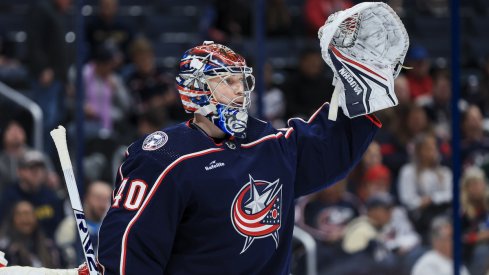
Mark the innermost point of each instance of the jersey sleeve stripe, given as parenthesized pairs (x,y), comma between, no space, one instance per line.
(289,132)
(121,177)
(150,196)
(272,136)
(370,117)
(280,134)
(310,118)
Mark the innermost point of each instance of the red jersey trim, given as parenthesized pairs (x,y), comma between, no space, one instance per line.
(272,136)
(310,118)
(374,120)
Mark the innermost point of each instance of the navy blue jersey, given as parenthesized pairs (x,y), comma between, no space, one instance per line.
(183,204)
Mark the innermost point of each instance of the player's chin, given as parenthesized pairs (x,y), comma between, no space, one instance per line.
(237,102)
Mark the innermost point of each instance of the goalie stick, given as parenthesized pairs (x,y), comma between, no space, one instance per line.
(59,138)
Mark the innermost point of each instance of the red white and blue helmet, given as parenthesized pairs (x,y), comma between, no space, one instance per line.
(210,60)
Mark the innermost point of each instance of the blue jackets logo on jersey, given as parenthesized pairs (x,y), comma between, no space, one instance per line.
(257,210)
(155,141)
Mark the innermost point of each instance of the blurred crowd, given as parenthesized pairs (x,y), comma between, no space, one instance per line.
(391,215)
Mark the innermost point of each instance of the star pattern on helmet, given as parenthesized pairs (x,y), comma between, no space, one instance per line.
(192,80)
(197,78)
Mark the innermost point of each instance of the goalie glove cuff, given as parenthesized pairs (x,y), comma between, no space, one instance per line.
(366,89)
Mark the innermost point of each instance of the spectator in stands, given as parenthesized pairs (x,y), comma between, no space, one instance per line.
(106,27)
(24,242)
(371,158)
(328,212)
(414,122)
(479,94)
(419,78)
(401,88)
(398,235)
(425,186)
(313,82)
(375,179)
(475,220)
(362,241)
(317,11)
(401,239)
(439,259)
(438,105)
(273,100)
(325,216)
(48,61)
(278,18)
(150,86)
(106,99)
(473,91)
(393,152)
(475,142)
(229,20)
(95,204)
(397,143)
(417,122)
(12,72)
(31,186)
(390,117)
(14,146)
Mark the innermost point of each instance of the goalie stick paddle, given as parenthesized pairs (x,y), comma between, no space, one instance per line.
(59,138)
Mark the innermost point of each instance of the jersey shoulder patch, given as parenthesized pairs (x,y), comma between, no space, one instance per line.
(155,141)
(167,145)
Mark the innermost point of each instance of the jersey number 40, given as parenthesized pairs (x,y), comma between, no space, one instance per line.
(135,194)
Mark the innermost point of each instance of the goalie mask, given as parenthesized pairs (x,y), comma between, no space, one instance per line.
(215,82)
(365,47)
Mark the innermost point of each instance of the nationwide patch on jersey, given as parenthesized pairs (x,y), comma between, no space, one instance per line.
(155,141)
(256,211)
